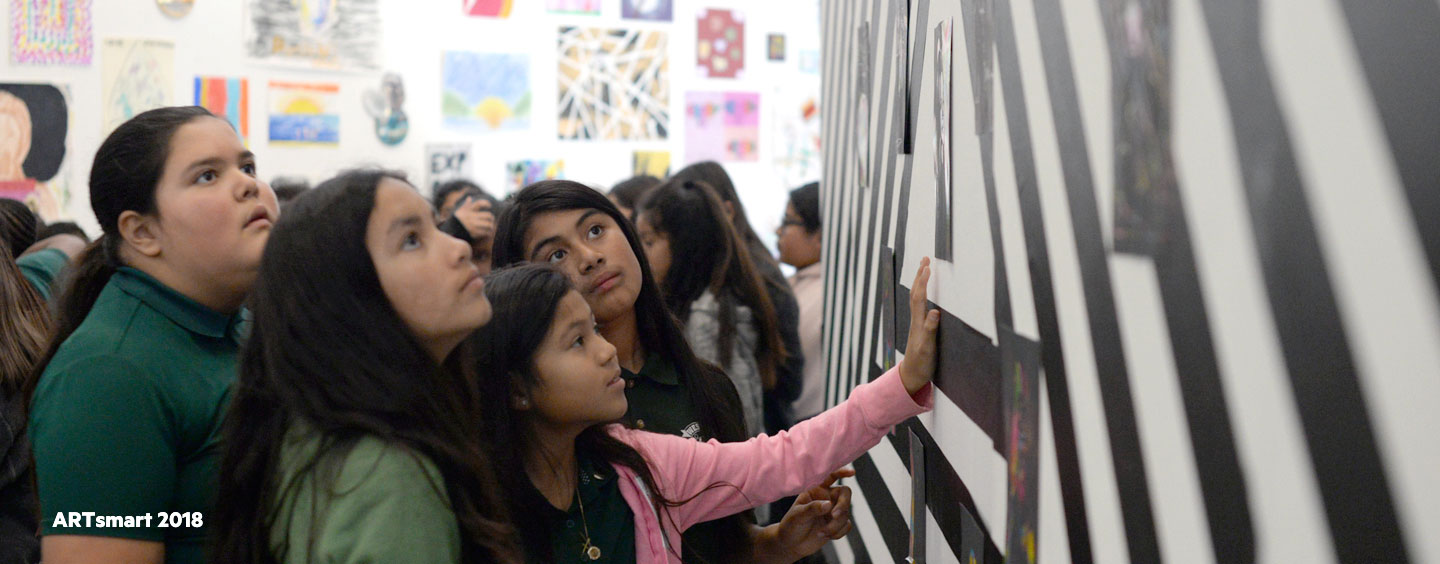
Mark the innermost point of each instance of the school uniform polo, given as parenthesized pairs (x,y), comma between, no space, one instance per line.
(125,420)
(42,268)
(606,516)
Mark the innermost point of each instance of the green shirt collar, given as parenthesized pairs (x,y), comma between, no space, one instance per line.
(184,311)
(656,368)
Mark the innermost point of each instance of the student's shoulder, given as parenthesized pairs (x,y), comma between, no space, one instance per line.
(379,467)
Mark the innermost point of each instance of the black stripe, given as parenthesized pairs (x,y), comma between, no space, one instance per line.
(947,497)
(1347,464)
(1398,46)
(902,222)
(857,547)
(967,369)
(881,502)
(840,190)
(1110,362)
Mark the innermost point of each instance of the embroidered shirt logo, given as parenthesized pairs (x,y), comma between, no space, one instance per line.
(691,431)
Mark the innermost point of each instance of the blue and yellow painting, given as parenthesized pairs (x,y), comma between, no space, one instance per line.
(485,92)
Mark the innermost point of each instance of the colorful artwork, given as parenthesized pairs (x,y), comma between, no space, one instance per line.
(653,10)
(228,98)
(1022,452)
(384,106)
(50,32)
(304,113)
(35,119)
(653,163)
(810,61)
(720,44)
(799,135)
(613,84)
(484,92)
(136,75)
(722,126)
(328,34)
(520,174)
(776,43)
(446,162)
(587,7)
(488,8)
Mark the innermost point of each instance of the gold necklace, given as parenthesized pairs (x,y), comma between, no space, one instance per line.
(588,550)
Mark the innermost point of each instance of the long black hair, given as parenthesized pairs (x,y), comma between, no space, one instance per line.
(328,349)
(525,298)
(124,177)
(711,173)
(708,254)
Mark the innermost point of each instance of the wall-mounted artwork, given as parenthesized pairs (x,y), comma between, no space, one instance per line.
(135,75)
(520,174)
(488,8)
(613,84)
(35,119)
(329,34)
(447,161)
(653,10)
(798,154)
(583,7)
(810,61)
(720,44)
(385,107)
(175,8)
(304,114)
(944,33)
(722,126)
(228,98)
(50,32)
(483,92)
(775,45)
(653,163)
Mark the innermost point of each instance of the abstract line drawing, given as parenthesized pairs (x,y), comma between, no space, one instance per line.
(484,92)
(34,121)
(49,32)
(304,113)
(136,75)
(520,174)
(653,10)
(613,84)
(585,7)
(722,126)
(488,8)
(328,34)
(228,98)
(720,44)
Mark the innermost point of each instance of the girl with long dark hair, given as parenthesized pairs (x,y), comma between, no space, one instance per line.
(352,436)
(584,489)
(24,326)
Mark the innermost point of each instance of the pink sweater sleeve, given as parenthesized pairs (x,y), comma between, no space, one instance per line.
(765,468)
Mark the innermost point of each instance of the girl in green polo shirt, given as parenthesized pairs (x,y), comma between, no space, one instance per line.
(125,417)
(351,436)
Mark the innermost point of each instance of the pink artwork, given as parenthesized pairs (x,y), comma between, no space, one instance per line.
(720,44)
(722,126)
(488,8)
(48,32)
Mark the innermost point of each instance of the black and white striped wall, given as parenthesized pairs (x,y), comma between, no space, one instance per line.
(1188,259)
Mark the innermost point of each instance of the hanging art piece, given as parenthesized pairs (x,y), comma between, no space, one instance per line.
(653,10)
(384,106)
(944,229)
(776,46)
(798,157)
(613,84)
(50,32)
(446,162)
(1021,364)
(175,8)
(720,44)
(136,75)
(488,8)
(484,92)
(583,7)
(304,114)
(653,163)
(228,98)
(520,174)
(35,118)
(326,34)
(722,126)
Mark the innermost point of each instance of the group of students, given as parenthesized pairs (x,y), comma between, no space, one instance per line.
(217,381)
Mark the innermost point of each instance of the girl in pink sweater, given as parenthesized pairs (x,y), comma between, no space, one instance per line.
(583,489)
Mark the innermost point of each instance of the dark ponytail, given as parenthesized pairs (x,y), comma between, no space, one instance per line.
(123,178)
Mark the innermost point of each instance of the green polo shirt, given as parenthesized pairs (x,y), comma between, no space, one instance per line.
(125,420)
(606,517)
(42,268)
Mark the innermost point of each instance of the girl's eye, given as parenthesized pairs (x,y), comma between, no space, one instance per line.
(579,341)
(206,177)
(412,241)
(557,256)
(596,230)
(248,168)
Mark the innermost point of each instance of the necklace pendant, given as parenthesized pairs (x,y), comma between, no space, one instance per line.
(593,552)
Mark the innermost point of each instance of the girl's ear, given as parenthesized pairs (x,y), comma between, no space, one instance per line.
(519,398)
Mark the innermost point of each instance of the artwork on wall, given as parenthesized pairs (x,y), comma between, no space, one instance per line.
(944,232)
(329,34)
(1021,379)
(36,119)
(862,105)
(613,84)
(720,44)
(50,32)
(1146,191)
(776,46)
(488,8)
(653,163)
(483,92)
(228,98)
(175,8)
(584,7)
(135,75)
(520,174)
(304,113)
(798,157)
(385,107)
(722,126)
(653,10)
(447,161)
(810,61)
